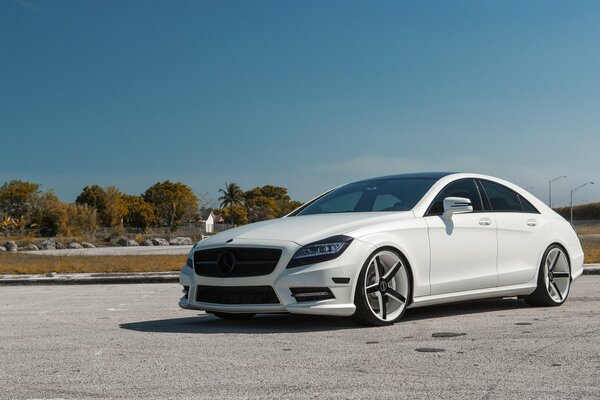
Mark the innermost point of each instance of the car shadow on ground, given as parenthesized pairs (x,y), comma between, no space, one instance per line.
(288,323)
(464,308)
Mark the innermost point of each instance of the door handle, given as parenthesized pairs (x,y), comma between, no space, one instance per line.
(485,221)
(532,222)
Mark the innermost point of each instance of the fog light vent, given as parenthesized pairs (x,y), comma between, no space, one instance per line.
(303,294)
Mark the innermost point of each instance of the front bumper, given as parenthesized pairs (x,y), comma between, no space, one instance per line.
(346,266)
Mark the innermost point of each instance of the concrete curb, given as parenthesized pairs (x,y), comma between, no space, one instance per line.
(591,269)
(137,277)
(89,279)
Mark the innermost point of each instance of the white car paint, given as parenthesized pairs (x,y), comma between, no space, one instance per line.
(468,256)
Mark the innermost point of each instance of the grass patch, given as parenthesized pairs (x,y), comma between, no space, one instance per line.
(21,263)
(592,229)
(591,248)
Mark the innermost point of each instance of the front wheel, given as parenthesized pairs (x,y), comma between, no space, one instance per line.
(554,279)
(383,289)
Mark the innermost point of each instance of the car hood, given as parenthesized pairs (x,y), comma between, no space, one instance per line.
(304,229)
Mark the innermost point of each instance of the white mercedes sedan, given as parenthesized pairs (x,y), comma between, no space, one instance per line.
(371,249)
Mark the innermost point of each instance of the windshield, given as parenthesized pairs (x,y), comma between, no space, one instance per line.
(385,194)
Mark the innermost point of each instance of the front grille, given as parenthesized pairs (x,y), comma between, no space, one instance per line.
(236,295)
(247,262)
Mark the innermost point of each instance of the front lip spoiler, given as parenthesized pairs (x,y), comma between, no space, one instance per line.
(315,308)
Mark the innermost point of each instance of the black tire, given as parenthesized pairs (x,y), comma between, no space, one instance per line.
(541,296)
(234,316)
(364,315)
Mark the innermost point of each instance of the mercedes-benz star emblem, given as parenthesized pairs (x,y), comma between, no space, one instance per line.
(226,263)
(383,286)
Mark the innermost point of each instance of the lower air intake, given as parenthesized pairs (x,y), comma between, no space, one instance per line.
(236,295)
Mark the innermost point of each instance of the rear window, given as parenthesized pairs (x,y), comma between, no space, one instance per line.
(502,198)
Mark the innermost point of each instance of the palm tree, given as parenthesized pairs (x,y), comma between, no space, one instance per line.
(232,195)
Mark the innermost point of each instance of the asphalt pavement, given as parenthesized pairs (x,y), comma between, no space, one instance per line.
(133,342)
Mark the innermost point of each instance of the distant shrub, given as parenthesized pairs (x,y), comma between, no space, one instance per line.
(234,214)
(49,214)
(108,203)
(175,203)
(81,220)
(581,212)
(140,214)
(17,198)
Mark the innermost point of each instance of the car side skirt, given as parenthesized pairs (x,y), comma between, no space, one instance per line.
(504,291)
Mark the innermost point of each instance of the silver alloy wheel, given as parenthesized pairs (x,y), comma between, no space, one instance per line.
(386,285)
(557,276)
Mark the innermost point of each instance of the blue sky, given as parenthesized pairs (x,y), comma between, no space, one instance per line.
(304,94)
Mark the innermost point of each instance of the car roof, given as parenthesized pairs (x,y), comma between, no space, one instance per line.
(426,175)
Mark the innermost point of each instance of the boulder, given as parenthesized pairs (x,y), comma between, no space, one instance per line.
(48,244)
(87,245)
(2,248)
(60,246)
(147,242)
(181,241)
(160,242)
(11,246)
(125,242)
(74,245)
(29,247)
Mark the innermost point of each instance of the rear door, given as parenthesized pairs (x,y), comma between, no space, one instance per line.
(521,233)
(463,248)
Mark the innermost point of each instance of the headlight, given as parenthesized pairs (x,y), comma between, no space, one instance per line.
(190,260)
(320,251)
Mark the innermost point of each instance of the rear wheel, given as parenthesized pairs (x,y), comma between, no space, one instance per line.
(554,279)
(224,315)
(383,289)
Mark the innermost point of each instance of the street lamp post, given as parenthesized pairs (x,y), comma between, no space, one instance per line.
(550,189)
(573,191)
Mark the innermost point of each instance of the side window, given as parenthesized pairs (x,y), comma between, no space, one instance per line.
(527,206)
(463,188)
(502,198)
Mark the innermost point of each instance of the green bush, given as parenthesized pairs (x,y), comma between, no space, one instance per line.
(581,212)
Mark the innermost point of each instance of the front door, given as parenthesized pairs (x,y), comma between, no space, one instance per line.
(464,247)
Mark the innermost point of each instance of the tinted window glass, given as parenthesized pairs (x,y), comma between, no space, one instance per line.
(527,206)
(464,188)
(385,202)
(343,203)
(391,194)
(501,198)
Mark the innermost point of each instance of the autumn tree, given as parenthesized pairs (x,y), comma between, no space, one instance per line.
(268,202)
(81,219)
(175,202)
(17,198)
(108,203)
(234,214)
(49,214)
(140,213)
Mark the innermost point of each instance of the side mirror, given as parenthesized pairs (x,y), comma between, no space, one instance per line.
(456,205)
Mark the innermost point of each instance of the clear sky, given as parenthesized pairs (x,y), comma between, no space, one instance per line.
(303,94)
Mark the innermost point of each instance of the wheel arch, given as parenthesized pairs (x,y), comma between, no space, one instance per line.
(405,260)
(551,243)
